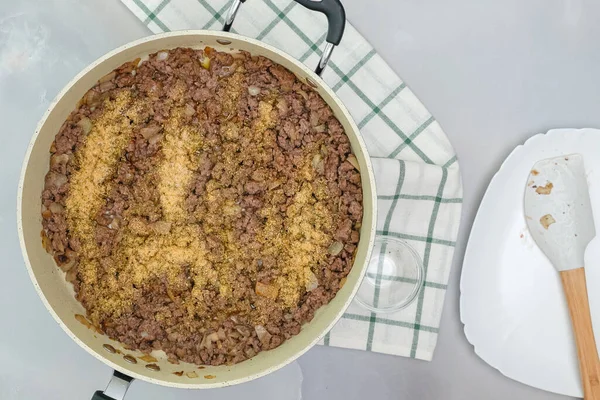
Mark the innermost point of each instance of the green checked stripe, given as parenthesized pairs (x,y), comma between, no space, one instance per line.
(386,226)
(280,16)
(217,15)
(393,278)
(151,16)
(450,162)
(377,109)
(157,10)
(456,200)
(412,137)
(390,322)
(313,48)
(427,239)
(384,117)
(434,215)
(351,73)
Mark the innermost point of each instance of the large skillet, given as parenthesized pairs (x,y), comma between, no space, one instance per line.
(58,296)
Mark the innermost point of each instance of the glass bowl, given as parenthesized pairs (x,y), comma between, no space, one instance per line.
(394,276)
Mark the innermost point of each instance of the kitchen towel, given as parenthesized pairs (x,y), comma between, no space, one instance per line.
(418,180)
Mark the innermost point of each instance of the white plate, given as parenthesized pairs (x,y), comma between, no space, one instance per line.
(512,303)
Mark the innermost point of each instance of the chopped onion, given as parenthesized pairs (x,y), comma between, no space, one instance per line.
(205,62)
(312,282)
(352,160)
(253,90)
(71,275)
(60,259)
(46,243)
(155,139)
(162,55)
(318,164)
(67,265)
(108,77)
(303,94)
(226,71)
(90,97)
(150,131)
(335,248)
(263,335)
(142,59)
(266,290)
(189,110)
(320,128)
(56,208)
(115,223)
(249,352)
(86,125)
(55,179)
(206,343)
(282,106)
(71,254)
(243,330)
(314,119)
(161,227)
(105,86)
(324,151)
(59,159)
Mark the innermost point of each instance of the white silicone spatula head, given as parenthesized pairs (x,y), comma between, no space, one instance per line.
(559,217)
(558,210)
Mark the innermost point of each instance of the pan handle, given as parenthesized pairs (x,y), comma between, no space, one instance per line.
(116,389)
(333,10)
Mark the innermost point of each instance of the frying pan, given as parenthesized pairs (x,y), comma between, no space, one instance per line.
(58,295)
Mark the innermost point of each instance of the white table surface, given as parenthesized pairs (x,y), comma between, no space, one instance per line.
(492,72)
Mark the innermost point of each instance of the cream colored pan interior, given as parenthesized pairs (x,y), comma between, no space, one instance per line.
(57,295)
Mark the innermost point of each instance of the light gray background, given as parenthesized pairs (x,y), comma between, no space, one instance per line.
(492,72)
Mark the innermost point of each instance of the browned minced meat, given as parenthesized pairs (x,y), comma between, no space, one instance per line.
(253,171)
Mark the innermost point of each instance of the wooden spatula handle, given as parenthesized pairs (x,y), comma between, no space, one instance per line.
(576,291)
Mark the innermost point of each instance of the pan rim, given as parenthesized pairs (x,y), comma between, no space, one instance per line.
(368,174)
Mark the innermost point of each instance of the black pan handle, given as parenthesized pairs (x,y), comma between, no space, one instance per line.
(116,389)
(336,18)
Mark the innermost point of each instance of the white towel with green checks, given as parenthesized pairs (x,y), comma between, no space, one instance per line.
(418,180)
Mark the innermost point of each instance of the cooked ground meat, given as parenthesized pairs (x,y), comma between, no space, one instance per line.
(202,203)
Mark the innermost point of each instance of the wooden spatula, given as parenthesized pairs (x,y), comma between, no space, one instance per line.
(559,216)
